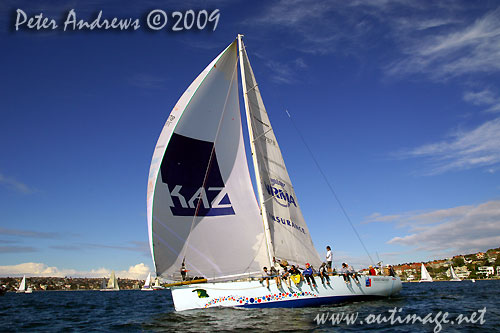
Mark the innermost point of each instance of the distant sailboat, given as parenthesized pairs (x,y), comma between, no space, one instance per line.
(454,276)
(22,287)
(157,285)
(112,283)
(147,285)
(424,275)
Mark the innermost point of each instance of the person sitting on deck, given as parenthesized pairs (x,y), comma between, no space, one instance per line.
(276,276)
(323,274)
(391,271)
(265,276)
(294,271)
(353,273)
(372,271)
(347,271)
(308,274)
(285,275)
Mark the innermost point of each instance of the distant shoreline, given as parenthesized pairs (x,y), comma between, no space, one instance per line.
(417,281)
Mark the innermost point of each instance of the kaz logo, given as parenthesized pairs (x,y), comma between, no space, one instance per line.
(280,195)
(194,184)
(212,201)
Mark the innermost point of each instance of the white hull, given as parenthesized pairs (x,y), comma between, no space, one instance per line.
(27,291)
(24,292)
(255,294)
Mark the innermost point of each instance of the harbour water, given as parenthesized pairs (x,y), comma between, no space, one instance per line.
(136,311)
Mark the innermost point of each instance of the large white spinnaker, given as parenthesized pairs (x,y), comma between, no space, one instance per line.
(290,238)
(201,204)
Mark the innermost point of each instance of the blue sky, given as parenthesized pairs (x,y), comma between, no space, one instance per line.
(398,100)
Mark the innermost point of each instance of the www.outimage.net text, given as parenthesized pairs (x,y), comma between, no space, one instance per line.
(396,317)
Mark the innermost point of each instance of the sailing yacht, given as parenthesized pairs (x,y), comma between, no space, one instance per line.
(424,275)
(147,284)
(157,285)
(112,283)
(22,287)
(454,276)
(202,208)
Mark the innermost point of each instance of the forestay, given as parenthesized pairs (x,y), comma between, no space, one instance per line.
(290,238)
(201,204)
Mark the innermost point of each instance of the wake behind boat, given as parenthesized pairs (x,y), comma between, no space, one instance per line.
(202,210)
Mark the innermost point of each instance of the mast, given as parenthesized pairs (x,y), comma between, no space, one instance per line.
(263,211)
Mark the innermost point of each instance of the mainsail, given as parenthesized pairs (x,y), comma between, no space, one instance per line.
(147,284)
(201,203)
(22,286)
(454,276)
(424,275)
(283,219)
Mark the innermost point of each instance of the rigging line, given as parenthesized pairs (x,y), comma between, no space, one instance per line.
(331,187)
(263,134)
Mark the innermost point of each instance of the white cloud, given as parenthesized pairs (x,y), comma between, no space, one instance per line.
(139,271)
(433,23)
(15,185)
(147,81)
(29,233)
(479,147)
(484,97)
(455,230)
(285,72)
(377,217)
(474,48)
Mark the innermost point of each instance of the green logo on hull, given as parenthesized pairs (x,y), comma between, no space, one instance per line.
(202,293)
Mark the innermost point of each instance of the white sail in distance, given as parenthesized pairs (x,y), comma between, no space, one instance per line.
(454,276)
(201,204)
(424,275)
(147,284)
(22,286)
(113,282)
(290,237)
